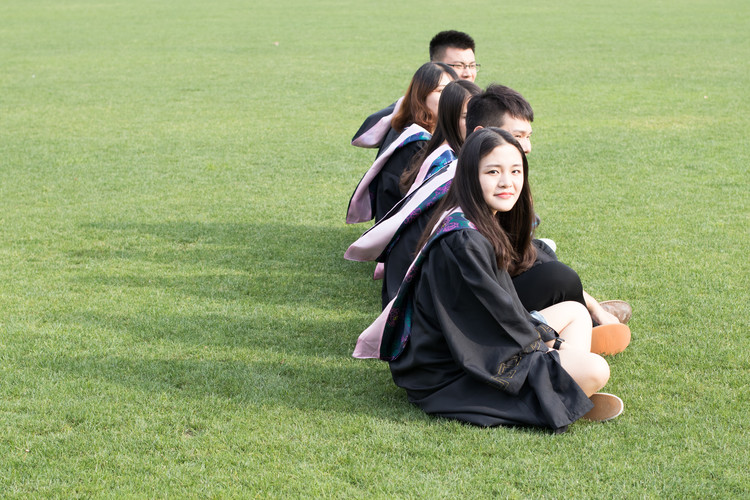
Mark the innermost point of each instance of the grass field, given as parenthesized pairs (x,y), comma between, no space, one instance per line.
(176,317)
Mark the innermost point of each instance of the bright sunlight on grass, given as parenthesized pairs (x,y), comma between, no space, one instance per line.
(177,318)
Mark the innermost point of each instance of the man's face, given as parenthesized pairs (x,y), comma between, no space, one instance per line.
(462,61)
(520,129)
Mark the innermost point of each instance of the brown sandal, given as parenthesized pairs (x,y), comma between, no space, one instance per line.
(606,407)
(619,309)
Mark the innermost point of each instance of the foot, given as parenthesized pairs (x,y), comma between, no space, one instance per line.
(606,407)
(618,308)
(609,339)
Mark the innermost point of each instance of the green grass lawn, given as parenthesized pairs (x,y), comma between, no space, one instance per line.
(177,318)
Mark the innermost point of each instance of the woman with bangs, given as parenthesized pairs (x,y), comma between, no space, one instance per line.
(457,337)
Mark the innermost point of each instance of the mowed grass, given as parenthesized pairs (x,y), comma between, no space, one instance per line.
(176,317)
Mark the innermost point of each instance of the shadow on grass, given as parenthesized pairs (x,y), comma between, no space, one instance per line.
(276,308)
(318,337)
(348,388)
(267,285)
(266,263)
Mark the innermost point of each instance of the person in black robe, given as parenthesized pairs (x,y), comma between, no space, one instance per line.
(548,281)
(457,337)
(467,323)
(418,110)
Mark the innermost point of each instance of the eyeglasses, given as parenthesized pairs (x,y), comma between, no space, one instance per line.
(462,66)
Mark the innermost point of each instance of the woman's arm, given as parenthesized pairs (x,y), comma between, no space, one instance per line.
(597,312)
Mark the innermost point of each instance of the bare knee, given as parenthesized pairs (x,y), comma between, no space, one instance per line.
(598,373)
(567,313)
(589,370)
(579,310)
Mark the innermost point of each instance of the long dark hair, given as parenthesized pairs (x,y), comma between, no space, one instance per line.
(450,107)
(510,233)
(414,108)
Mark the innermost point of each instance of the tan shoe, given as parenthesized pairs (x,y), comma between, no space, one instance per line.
(618,308)
(606,407)
(609,339)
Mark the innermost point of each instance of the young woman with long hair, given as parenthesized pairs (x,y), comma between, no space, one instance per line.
(457,337)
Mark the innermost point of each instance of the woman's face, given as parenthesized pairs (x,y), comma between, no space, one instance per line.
(433,98)
(501,177)
(462,120)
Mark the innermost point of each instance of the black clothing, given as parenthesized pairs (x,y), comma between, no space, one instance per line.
(387,191)
(402,254)
(546,283)
(474,353)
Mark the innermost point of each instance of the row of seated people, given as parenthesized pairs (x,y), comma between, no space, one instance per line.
(485,321)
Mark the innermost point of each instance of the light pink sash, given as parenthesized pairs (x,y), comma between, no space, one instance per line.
(426,164)
(368,343)
(372,243)
(375,134)
(360,207)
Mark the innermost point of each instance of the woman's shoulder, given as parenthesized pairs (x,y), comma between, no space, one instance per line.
(464,252)
(413,147)
(467,242)
(465,235)
(413,133)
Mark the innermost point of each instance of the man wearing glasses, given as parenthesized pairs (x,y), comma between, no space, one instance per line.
(454,48)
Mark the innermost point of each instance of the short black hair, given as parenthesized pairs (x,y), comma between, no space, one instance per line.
(447,39)
(488,109)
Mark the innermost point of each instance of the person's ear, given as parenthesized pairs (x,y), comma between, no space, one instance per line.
(477,128)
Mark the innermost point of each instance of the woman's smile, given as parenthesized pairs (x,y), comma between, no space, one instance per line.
(501,177)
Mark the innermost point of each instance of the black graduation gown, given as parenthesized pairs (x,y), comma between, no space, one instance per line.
(402,254)
(474,354)
(387,191)
(372,120)
(537,287)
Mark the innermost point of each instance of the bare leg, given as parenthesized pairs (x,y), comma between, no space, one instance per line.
(572,321)
(589,370)
(597,312)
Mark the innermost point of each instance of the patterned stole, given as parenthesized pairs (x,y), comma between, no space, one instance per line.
(373,242)
(386,337)
(439,158)
(427,204)
(441,161)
